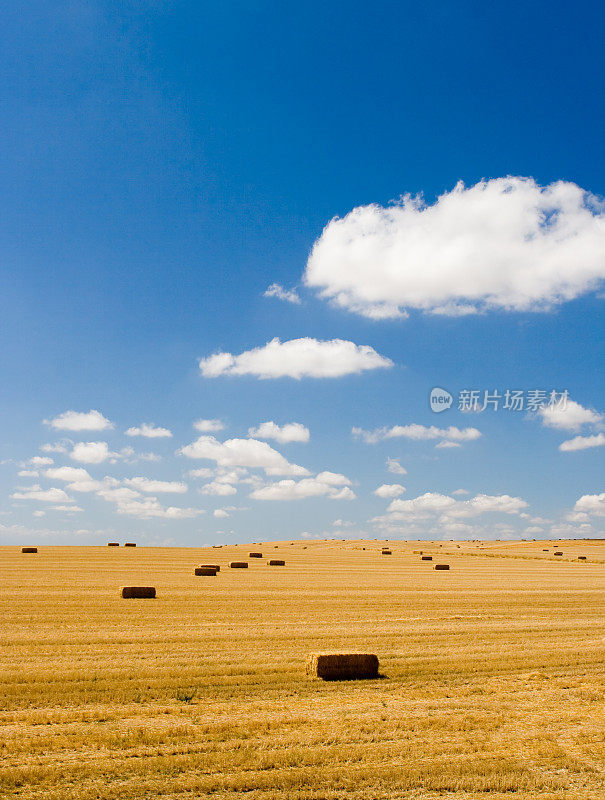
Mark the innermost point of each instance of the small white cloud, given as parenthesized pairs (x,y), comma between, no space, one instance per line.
(447,445)
(149,431)
(297,358)
(220,513)
(150,508)
(91,452)
(570,416)
(43,495)
(591,504)
(506,244)
(40,461)
(39,513)
(242,453)
(290,432)
(582,443)
(326,484)
(459,492)
(209,425)
(68,474)
(287,295)
(150,486)
(203,472)
(70,509)
(422,506)
(389,490)
(80,421)
(28,473)
(395,467)
(418,433)
(218,488)
(62,446)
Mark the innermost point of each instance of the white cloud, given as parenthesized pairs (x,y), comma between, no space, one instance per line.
(447,445)
(449,509)
(208,425)
(71,509)
(297,358)
(459,491)
(418,432)
(582,443)
(422,506)
(68,474)
(80,421)
(218,488)
(150,486)
(91,452)
(149,508)
(43,495)
(395,467)
(203,472)
(242,453)
(220,513)
(149,430)
(40,461)
(569,416)
(287,295)
(389,490)
(591,504)
(28,473)
(120,494)
(62,446)
(505,243)
(326,484)
(86,486)
(290,432)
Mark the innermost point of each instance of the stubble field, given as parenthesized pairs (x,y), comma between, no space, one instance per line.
(492,674)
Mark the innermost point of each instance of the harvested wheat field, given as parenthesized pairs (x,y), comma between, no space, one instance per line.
(491,675)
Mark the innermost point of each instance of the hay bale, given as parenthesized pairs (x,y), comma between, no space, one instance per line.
(204,571)
(255,555)
(29,549)
(387,553)
(113,544)
(426,558)
(238,564)
(129,544)
(558,553)
(342,666)
(137,592)
(215,567)
(441,566)
(581,558)
(545,550)
(276,562)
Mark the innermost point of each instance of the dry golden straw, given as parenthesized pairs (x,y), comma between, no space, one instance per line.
(138,592)
(342,666)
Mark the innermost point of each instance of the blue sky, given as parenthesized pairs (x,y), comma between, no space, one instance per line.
(165,163)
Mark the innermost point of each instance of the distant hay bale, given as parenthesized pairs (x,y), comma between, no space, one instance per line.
(29,549)
(215,567)
(387,553)
(545,550)
(238,564)
(129,544)
(581,558)
(275,546)
(204,571)
(276,562)
(426,558)
(113,544)
(255,555)
(441,566)
(137,592)
(558,553)
(342,666)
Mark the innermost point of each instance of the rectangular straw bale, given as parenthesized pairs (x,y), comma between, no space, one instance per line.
(558,553)
(276,562)
(113,544)
(426,558)
(238,564)
(441,566)
(255,555)
(386,553)
(581,558)
(29,549)
(342,666)
(137,591)
(204,571)
(215,567)
(129,544)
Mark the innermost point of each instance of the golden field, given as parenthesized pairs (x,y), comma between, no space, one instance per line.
(492,674)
